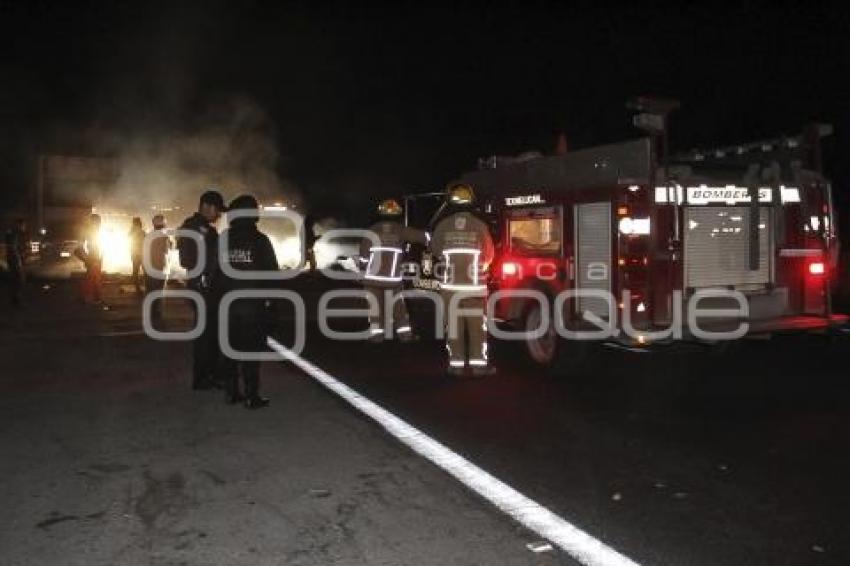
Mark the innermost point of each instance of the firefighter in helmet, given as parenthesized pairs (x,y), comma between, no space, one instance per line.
(463,244)
(383,277)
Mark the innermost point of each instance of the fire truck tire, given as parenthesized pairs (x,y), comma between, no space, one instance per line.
(550,351)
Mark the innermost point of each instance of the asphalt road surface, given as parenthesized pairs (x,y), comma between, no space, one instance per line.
(682,457)
(109,458)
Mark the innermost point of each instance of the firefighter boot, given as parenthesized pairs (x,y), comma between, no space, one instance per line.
(376,318)
(455,341)
(456,371)
(407,337)
(476,328)
(457,365)
(401,320)
(483,371)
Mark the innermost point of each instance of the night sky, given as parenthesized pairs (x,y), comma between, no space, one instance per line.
(372,101)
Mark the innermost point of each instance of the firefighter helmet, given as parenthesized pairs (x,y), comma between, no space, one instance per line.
(461,194)
(389,207)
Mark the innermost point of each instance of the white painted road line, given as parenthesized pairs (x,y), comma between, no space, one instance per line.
(575,542)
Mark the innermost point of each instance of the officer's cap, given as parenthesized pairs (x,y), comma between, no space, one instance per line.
(214,198)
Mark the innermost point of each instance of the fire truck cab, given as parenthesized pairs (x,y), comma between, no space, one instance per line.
(754,221)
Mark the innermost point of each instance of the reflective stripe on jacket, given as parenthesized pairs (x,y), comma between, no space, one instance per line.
(466,246)
(384,251)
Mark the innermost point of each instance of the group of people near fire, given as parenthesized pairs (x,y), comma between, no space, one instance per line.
(90,253)
(460,238)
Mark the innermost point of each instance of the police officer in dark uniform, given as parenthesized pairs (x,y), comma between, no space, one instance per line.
(248,249)
(205,348)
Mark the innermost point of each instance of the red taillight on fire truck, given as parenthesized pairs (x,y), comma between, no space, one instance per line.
(817,268)
(510,269)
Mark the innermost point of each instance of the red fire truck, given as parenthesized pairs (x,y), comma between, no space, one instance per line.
(756,219)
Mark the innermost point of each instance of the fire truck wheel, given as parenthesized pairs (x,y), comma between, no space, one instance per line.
(542,350)
(551,352)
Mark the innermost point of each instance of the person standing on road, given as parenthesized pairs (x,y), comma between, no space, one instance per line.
(205,349)
(17,249)
(136,236)
(383,277)
(309,235)
(464,244)
(91,254)
(247,249)
(159,246)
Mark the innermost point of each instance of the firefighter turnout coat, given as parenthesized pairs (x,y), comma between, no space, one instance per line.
(383,276)
(463,245)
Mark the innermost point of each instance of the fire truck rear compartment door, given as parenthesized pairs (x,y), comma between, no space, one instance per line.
(593,257)
(717,248)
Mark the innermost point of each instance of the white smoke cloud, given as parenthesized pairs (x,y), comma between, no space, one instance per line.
(234,149)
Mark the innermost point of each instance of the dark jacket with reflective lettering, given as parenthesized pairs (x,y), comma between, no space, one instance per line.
(247,249)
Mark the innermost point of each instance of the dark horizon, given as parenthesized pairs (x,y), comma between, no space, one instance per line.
(365,102)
